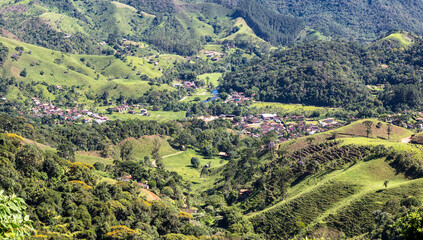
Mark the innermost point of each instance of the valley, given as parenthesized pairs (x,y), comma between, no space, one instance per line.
(211,119)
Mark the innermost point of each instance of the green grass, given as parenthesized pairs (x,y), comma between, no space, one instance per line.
(402,39)
(181,163)
(312,35)
(89,158)
(144,146)
(121,5)
(196,27)
(288,107)
(329,201)
(358,129)
(213,78)
(201,93)
(91,73)
(154,115)
(320,200)
(244,30)
(354,133)
(62,22)
(213,47)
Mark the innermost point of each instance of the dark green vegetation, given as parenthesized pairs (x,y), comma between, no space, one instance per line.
(363,20)
(337,73)
(180,177)
(269,25)
(99,27)
(306,187)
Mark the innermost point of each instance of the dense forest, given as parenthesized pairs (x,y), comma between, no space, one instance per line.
(361,20)
(269,25)
(335,73)
(211,119)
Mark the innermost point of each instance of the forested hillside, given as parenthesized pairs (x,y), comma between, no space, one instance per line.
(336,73)
(211,119)
(362,20)
(269,25)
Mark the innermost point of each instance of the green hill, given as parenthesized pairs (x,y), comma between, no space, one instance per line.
(145,145)
(331,186)
(354,132)
(363,20)
(96,74)
(340,201)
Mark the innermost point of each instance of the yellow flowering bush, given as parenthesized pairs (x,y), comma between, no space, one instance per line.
(185,215)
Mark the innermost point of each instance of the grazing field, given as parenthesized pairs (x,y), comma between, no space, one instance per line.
(353,133)
(244,29)
(181,163)
(213,78)
(201,93)
(402,39)
(144,146)
(287,107)
(89,72)
(91,158)
(358,129)
(154,115)
(331,200)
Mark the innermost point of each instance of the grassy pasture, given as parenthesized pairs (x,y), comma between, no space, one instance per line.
(154,115)
(354,133)
(323,200)
(181,163)
(213,78)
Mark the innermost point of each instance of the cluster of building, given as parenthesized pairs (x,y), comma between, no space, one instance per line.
(129,179)
(187,85)
(238,97)
(67,115)
(409,120)
(134,109)
(213,55)
(285,127)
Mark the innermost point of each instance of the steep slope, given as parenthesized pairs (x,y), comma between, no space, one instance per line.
(329,186)
(337,73)
(339,202)
(363,20)
(97,74)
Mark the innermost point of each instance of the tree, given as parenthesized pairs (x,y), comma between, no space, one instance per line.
(29,158)
(14,222)
(385,183)
(99,166)
(23,73)
(411,226)
(156,148)
(66,151)
(368,124)
(126,151)
(195,162)
(204,172)
(310,140)
(389,130)
(147,161)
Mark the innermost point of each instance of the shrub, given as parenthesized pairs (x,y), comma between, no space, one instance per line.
(99,166)
(23,73)
(411,202)
(14,222)
(168,191)
(195,162)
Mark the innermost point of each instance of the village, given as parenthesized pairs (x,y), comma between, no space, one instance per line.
(285,128)
(74,114)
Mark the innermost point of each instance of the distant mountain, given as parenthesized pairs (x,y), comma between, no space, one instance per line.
(362,19)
